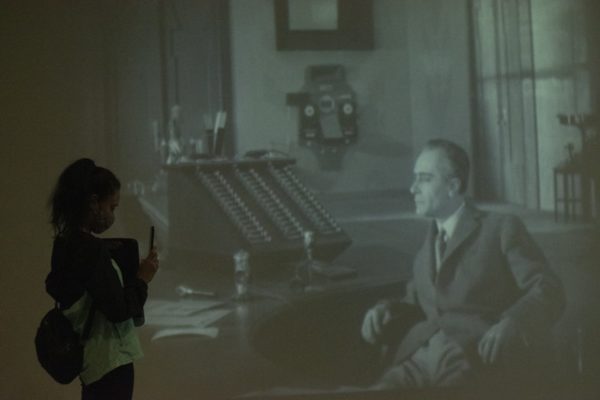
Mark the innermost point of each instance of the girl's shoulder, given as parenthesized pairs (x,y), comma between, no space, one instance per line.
(80,248)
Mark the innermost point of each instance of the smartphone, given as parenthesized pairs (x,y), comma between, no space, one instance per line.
(151,237)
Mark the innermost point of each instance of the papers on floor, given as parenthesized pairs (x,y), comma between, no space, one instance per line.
(170,332)
(184,317)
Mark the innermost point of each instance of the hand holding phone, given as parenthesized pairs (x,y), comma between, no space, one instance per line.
(149,265)
(152,236)
(146,271)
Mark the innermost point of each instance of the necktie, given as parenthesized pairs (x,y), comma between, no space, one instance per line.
(440,247)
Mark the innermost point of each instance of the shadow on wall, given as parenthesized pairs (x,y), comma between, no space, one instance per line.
(367,163)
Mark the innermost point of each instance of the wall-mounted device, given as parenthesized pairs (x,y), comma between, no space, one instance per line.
(327,113)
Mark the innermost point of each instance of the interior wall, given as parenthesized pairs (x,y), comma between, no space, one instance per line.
(53,112)
(134,63)
(54,103)
(411,87)
(262,76)
(440,88)
(197,55)
(164,54)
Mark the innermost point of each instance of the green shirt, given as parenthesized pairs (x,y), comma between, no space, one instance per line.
(110,345)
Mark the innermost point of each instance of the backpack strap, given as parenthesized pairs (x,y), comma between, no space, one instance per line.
(88,324)
(87,327)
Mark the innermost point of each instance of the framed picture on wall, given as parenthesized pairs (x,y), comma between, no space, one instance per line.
(324,24)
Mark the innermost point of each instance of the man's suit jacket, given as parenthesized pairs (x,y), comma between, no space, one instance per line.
(491,269)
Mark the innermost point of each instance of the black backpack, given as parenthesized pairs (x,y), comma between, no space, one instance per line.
(59,348)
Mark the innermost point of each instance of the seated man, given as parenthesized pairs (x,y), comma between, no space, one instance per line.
(483,285)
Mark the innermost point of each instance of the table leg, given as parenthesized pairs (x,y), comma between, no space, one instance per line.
(566,189)
(585,197)
(555,197)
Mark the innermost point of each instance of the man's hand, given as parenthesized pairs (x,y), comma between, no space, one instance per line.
(498,339)
(374,321)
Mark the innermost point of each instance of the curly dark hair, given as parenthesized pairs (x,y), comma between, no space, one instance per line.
(69,202)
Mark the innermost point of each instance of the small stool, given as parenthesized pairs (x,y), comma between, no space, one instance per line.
(569,198)
(585,196)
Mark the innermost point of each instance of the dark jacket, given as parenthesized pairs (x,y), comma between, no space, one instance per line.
(82,262)
(491,269)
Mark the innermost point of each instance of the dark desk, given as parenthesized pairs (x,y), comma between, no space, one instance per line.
(318,348)
(313,349)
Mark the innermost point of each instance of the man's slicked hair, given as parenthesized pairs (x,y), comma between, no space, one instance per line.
(459,160)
